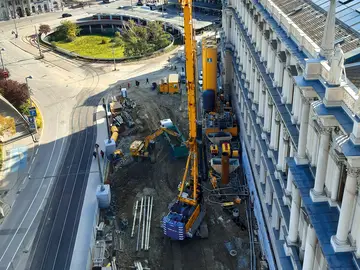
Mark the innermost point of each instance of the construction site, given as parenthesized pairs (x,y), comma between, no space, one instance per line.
(179,197)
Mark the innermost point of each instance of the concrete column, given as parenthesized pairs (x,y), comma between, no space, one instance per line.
(296,104)
(258,38)
(262,97)
(276,71)
(285,87)
(309,248)
(248,128)
(253,32)
(289,183)
(248,67)
(300,158)
(275,130)
(256,87)
(275,217)
(90,31)
(283,148)
(102,28)
(252,78)
(339,241)
(271,65)
(303,240)
(280,76)
(241,103)
(294,216)
(318,190)
(257,155)
(264,47)
(262,172)
(253,139)
(335,179)
(314,142)
(268,192)
(269,58)
(268,113)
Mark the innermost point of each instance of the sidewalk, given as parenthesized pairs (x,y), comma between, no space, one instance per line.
(17,161)
(85,238)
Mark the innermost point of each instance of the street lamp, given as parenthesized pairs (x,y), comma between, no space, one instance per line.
(27,84)
(2,60)
(113,53)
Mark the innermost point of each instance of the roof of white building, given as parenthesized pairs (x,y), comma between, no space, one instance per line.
(311,19)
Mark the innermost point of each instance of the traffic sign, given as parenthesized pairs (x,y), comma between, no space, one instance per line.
(31,119)
(32,111)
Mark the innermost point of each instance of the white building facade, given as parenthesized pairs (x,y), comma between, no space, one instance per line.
(22,8)
(299,121)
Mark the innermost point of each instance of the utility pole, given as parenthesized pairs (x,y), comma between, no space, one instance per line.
(102,188)
(113,52)
(38,42)
(2,60)
(16,30)
(131,5)
(107,120)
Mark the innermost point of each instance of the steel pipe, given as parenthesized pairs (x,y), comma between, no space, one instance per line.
(149,227)
(134,221)
(143,228)
(138,234)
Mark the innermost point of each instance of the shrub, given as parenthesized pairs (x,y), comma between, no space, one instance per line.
(16,93)
(103,41)
(53,44)
(67,31)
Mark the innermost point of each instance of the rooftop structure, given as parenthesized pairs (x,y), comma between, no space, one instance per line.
(299,115)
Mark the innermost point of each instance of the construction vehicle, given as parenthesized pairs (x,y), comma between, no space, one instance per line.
(185,218)
(143,149)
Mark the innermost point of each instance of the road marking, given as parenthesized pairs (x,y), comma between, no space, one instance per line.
(72,192)
(32,202)
(46,192)
(37,150)
(32,160)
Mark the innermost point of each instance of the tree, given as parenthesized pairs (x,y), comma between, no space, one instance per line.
(44,29)
(67,31)
(7,125)
(16,93)
(140,40)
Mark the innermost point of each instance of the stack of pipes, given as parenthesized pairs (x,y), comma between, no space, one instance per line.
(144,223)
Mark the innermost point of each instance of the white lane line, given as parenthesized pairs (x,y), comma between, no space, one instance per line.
(29,168)
(43,200)
(32,161)
(72,193)
(32,202)
(37,150)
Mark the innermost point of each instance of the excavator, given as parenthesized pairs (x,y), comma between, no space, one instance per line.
(143,149)
(187,212)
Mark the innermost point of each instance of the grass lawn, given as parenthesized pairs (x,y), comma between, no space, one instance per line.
(91,46)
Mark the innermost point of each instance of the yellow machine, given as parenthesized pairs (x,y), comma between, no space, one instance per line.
(209,63)
(142,149)
(226,148)
(214,149)
(186,214)
(170,85)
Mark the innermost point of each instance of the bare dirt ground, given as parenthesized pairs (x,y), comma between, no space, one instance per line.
(160,180)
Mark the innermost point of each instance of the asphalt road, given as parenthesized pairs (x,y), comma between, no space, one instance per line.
(55,239)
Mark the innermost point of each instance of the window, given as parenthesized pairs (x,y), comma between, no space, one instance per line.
(209,60)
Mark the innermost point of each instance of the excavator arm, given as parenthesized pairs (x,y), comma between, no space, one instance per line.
(156,134)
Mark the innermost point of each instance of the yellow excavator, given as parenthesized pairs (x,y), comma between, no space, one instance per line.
(186,214)
(143,149)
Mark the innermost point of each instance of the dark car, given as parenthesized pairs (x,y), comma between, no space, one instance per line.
(65,15)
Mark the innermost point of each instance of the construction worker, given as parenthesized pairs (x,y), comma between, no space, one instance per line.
(102,153)
(147,80)
(94,154)
(129,85)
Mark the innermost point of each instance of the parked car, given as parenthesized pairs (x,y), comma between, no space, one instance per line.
(66,15)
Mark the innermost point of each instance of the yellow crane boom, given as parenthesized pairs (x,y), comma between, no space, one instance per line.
(190,56)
